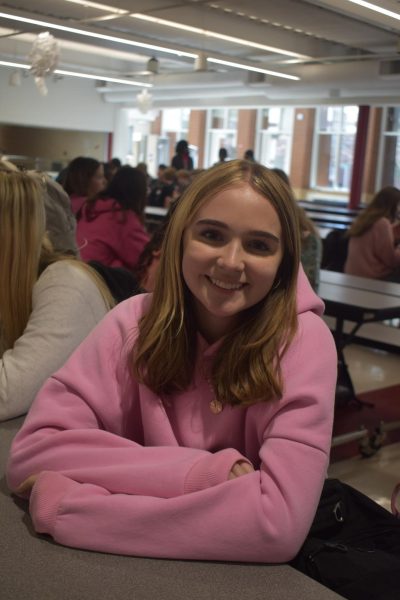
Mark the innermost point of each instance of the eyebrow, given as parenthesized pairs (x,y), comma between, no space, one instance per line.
(257,233)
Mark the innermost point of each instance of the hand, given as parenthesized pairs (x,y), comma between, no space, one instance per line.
(241,467)
(27,485)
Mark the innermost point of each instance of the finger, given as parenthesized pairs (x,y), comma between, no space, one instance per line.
(247,467)
(26,485)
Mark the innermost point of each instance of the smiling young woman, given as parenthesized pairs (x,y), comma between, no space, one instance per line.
(194,422)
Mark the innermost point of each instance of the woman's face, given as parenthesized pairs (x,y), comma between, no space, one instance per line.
(231,254)
(97,182)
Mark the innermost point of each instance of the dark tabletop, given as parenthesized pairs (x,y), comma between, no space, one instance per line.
(33,567)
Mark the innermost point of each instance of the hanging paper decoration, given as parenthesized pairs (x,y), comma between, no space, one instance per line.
(144,101)
(44,59)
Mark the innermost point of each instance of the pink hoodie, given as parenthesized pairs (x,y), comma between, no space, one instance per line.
(374,253)
(113,237)
(124,472)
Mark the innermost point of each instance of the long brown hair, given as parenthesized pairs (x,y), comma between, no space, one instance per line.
(246,367)
(25,251)
(384,204)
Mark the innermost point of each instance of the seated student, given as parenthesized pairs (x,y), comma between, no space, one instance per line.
(192,422)
(60,220)
(110,226)
(311,243)
(48,302)
(84,179)
(372,250)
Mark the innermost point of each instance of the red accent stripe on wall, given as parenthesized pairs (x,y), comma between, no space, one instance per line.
(359,156)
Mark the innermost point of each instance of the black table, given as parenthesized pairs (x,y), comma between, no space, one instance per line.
(34,567)
(356,300)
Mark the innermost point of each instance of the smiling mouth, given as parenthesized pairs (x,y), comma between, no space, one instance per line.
(224,285)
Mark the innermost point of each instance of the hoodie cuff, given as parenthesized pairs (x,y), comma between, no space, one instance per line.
(211,470)
(47,493)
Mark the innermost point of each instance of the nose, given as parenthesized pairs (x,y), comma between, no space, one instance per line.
(231,257)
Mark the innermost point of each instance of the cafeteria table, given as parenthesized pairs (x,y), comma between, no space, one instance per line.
(33,566)
(359,302)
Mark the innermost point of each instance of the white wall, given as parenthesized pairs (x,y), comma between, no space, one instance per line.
(71,103)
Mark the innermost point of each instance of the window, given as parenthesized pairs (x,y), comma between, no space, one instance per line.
(333,147)
(390,155)
(275,127)
(221,133)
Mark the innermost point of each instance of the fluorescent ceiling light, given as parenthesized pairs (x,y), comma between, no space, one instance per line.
(378,9)
(109,9)
(248,68)
(100,36)
(5,63)
(14,65)
(103,78)
(214,34)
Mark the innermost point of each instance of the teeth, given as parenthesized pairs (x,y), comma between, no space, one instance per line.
(225,285)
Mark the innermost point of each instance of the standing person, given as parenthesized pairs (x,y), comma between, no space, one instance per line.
(372,251)
(192,423)
(182,158)
(222,155)
(48,302)
(249,155)
(110,226)
(84,179)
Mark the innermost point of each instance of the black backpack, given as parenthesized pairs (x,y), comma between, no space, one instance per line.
(334,250)
(353,546)
(121,282)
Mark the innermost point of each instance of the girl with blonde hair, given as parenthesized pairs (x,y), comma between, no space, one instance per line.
(48,302)
(194,422)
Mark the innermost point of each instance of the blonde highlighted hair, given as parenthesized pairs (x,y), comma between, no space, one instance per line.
(246,367)
(25,251)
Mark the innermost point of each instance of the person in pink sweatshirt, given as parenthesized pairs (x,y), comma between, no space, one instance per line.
(372,250)
(110,226)
(194,422)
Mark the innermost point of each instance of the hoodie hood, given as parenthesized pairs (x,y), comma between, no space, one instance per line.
(307,299)
(103,205)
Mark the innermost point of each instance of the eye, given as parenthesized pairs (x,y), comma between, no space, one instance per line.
(211,235)
(259,246)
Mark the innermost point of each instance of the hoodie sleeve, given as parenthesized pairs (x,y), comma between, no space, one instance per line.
(260,517)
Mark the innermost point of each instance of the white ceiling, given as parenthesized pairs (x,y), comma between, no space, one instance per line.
(341,52)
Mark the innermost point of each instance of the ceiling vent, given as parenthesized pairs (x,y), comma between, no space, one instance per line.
(389,69)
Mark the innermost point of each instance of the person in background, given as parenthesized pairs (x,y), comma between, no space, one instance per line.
(182,158)
(112,167)
(163,194)
(49,302)
(192,424)
(222,155)
(143,167)
(60,220)
(156,185)
(249,155)
(84,179)
(311,243)
(372,250)
(110,226)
